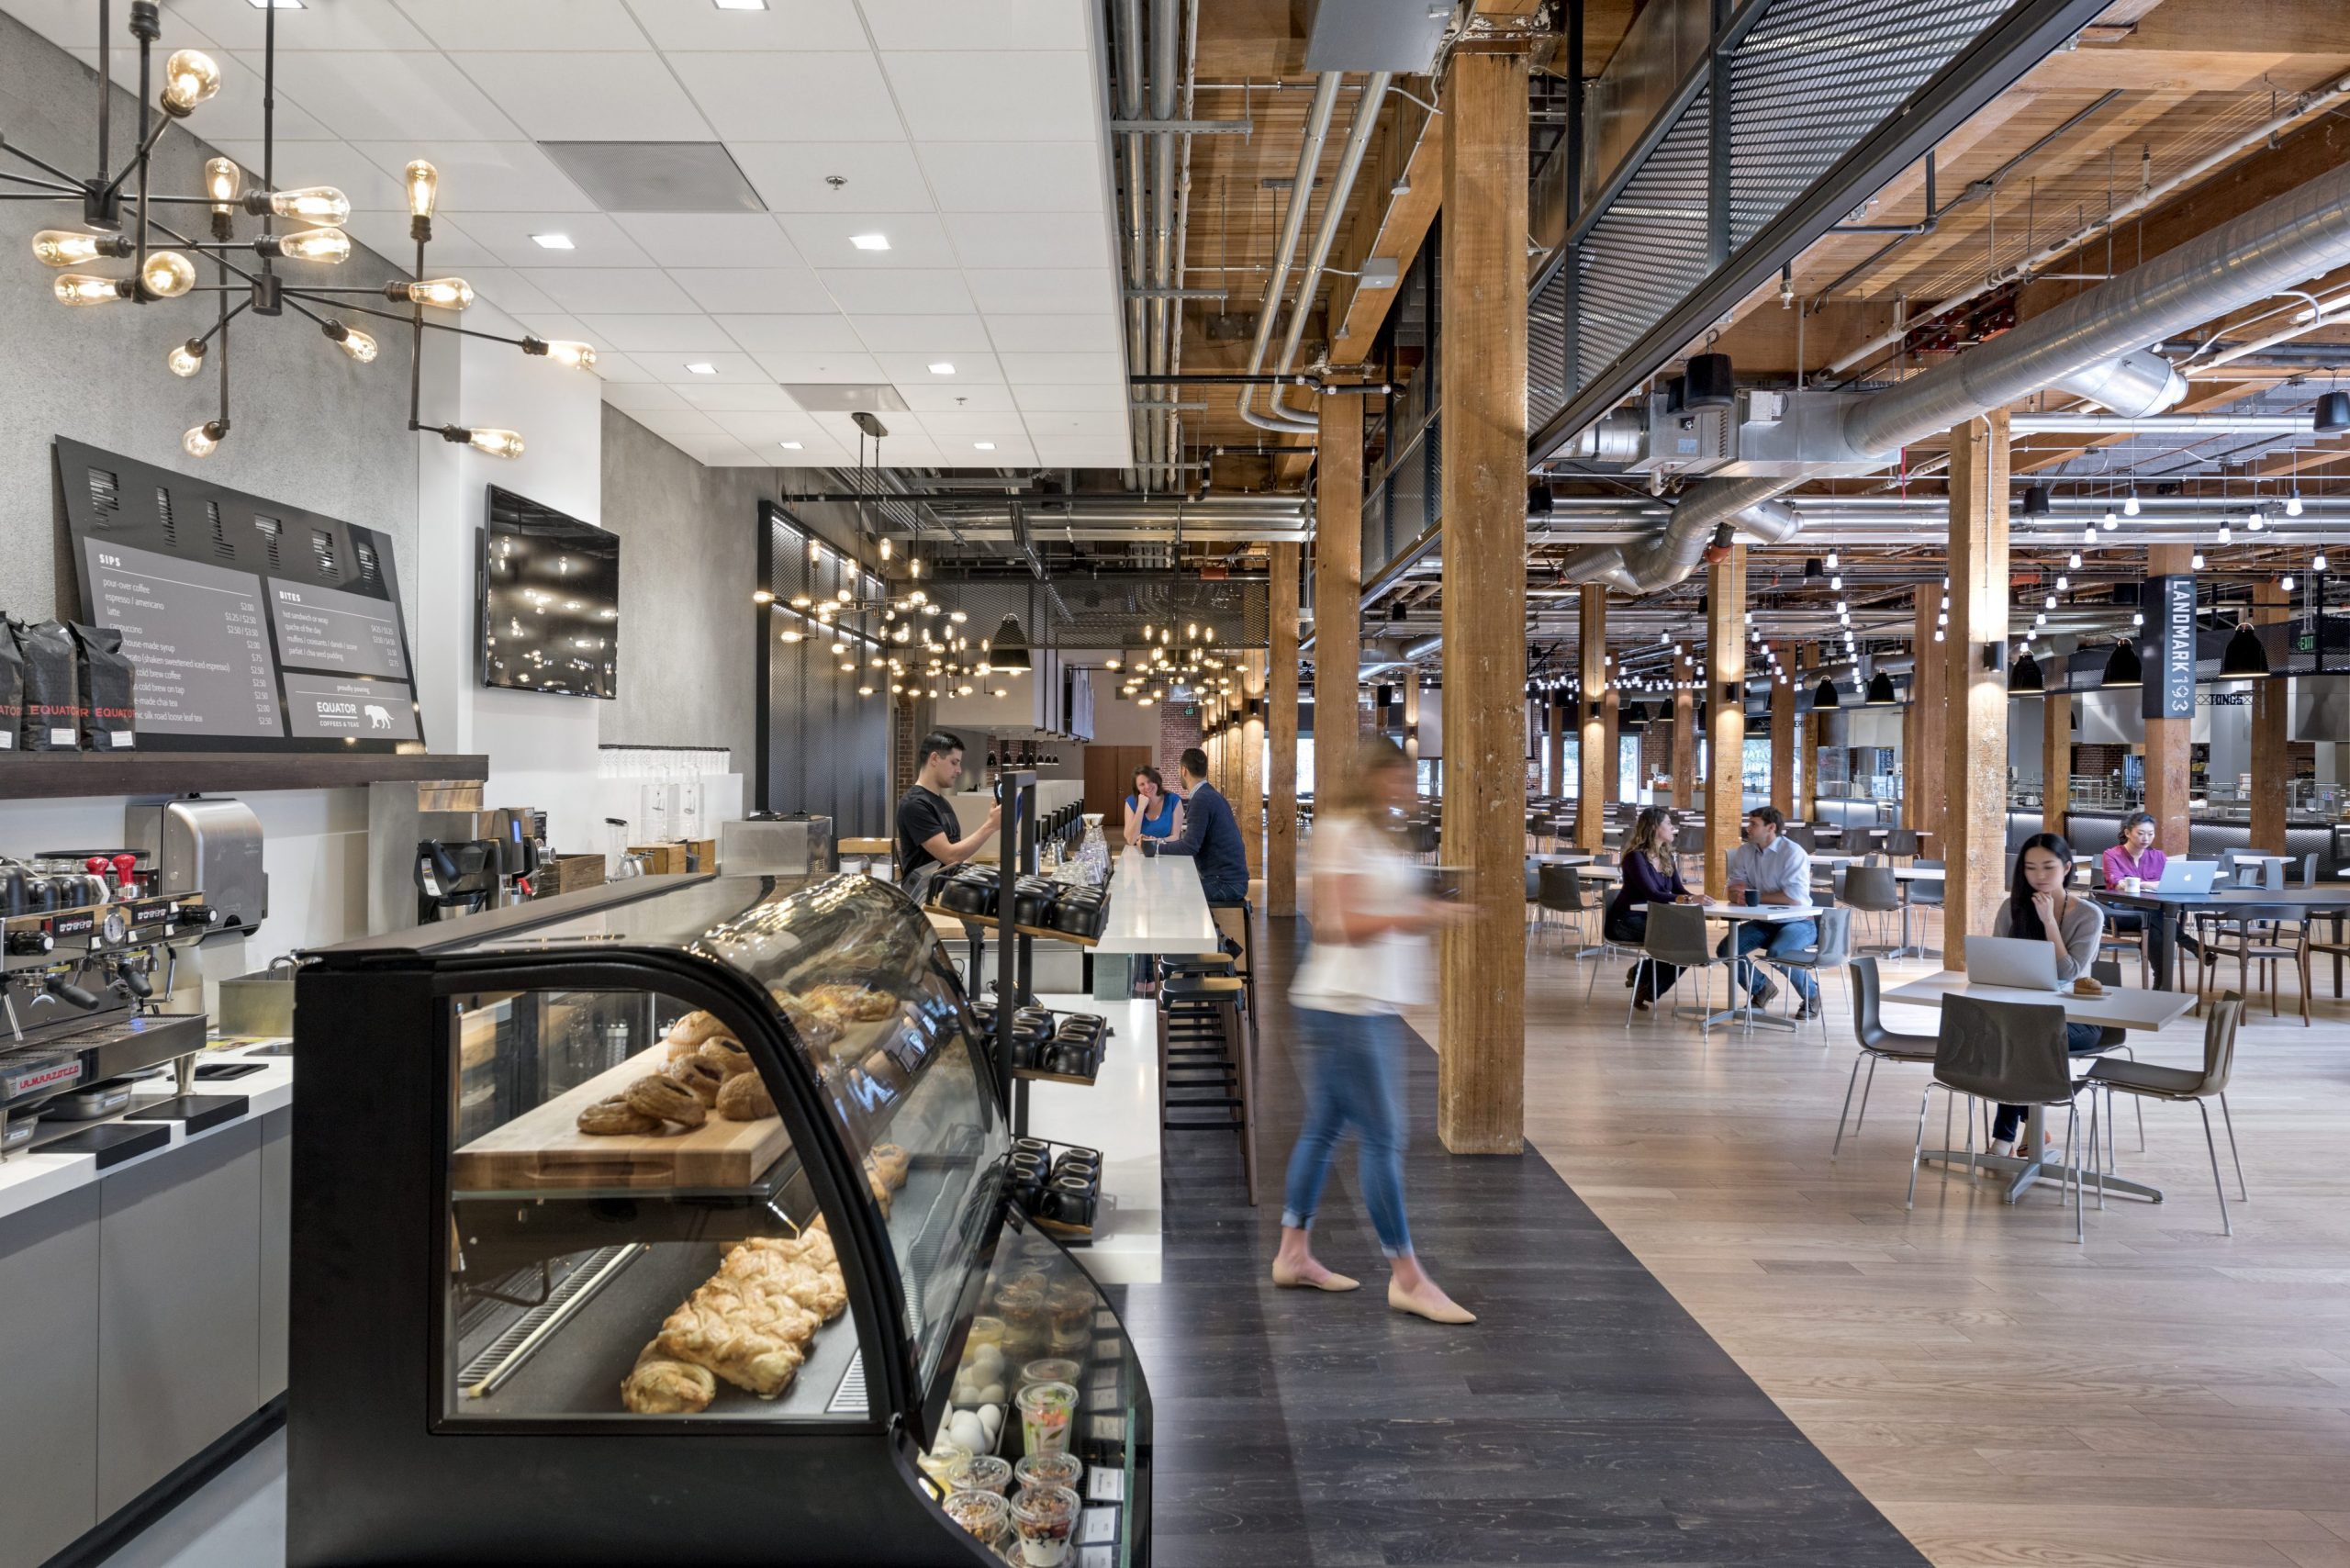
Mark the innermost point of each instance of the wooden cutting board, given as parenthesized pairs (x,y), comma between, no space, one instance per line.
(544,1148)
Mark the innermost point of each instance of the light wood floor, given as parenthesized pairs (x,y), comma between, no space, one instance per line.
(2163,1395)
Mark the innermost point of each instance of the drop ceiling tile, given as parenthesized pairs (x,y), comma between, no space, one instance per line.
(796,96)
(969,426)
(785,25)
(240,24)
(646,397)
(509,291)
(1068,399)
(761,429)
(386,233)
(529,25)
(826,238)
(795,176)
(725,370)
(1107,424)
(792,334)
(336,163)
(696,437)
(914,369)
(73,25)
(742,290)
(1019,368)
(1015,176)
(631,290)
(821,365)
(653,335)
(380,95)
(597,240)
(710,239)
(1045,291)
(1056,334)
(716,397)
(1068,452)
(1032,239)
(552,325)
(999,25)
(1015,97)
(913,292)
(234,112)
(485,176)
(993,398)
(589,97)
(620,369)
(938,336)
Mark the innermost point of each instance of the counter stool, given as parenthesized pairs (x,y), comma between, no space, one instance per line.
(1247,970)
(1206,1062)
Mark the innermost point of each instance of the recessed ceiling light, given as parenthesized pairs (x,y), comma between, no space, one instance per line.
(942,368)
(984,446)
(787,445)
(698,368)
(552,242)
(870,242)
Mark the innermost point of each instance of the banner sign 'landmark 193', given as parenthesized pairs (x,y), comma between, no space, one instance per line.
(2169,661)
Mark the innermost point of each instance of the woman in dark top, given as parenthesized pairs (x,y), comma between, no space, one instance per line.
(1651,876)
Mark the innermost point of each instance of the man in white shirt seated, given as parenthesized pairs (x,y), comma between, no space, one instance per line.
(1779,869)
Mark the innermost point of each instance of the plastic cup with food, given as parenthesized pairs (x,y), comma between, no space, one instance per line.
(1048,1469)
(1050,1369)
(985,1515)
(945,1464)
(986,1472)
(985,1329)
(1044,1518)
(1046,1409)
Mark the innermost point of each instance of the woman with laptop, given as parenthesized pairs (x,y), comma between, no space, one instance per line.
(2043,907)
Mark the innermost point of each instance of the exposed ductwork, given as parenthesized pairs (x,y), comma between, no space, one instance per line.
(1301,191)
(1278,414)
(2091,344)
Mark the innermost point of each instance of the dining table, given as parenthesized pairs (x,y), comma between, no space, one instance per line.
(2167,913)
(2116,1007)
(1747,1012)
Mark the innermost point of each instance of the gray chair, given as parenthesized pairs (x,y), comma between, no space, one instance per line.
(2148,1082)
(1877,1044)
(1676,936)
(1902,841)
(1872,891)
(2012,1053)
(1832,951)
(1559,892)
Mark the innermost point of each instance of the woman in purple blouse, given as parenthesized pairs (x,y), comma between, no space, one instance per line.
(1651,876)
(2135,855)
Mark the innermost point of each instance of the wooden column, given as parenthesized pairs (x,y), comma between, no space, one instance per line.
(1591,787)
(2272,768)
(1337,591)
(1611,746)
(1250,773)
(1480,990)
(2056,755)
(2168,741)
(1281,700)
(1782,746)
(1974,734)
(1808,783)
(1923,764)
(1685,739)
(1725,708)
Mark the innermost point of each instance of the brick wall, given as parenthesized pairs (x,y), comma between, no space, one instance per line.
(1177,730)
(911,720)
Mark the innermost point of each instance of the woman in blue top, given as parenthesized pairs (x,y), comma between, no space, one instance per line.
(1150,810)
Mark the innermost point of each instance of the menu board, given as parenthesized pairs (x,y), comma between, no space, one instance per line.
(251,624)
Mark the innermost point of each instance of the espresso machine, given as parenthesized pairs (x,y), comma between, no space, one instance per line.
(439,853)
(89,953)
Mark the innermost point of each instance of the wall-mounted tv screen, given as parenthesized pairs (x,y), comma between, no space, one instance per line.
(550,601)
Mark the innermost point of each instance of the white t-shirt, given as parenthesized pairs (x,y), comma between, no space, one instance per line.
(1389,971)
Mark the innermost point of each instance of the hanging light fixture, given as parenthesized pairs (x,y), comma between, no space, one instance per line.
(2122,667)
(1007,651)
(1826,696)
(2035,501)
(2245,656)
(2025,676)
(1881,692)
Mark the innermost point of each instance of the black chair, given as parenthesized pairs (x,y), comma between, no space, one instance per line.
(2010,1053)
(1877,1044)
(1248,939)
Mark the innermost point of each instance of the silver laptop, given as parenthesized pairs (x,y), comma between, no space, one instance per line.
(2012,961)
(2186,876)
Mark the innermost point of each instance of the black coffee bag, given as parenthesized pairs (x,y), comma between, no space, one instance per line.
(52,716)
(12,686)
(108,717)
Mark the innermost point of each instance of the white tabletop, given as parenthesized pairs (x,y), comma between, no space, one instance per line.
(2119,1006)
(1773,912)
(1918,873)
(1157,906)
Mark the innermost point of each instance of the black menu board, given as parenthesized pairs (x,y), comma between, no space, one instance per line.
(251,624)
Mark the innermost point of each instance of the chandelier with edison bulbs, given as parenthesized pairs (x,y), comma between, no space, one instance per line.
(120,221)
(1167,659)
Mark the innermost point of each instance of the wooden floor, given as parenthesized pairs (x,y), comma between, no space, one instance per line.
(2163,1395)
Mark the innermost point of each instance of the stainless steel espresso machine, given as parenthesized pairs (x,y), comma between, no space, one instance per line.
(89,951)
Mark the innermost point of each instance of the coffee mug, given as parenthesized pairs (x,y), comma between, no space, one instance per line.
(1150,849)
(1753,899)
(2130,884)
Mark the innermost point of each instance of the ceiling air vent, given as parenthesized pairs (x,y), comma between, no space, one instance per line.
(655,176)
(843,397)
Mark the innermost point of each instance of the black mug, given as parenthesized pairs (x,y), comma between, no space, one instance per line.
(1754,898)
(1150,849)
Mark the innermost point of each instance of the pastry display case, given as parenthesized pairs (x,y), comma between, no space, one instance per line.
(670,1217)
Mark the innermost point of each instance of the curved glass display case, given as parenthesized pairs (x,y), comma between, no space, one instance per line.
(601,1198)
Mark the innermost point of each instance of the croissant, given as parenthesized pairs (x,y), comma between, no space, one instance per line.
(661,1386)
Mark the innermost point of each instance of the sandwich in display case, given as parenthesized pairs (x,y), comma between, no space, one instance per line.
(667,1220)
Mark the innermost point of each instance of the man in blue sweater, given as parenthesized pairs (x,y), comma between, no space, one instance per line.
(1211,834)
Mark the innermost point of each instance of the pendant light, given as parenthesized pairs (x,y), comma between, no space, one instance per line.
(2035,501)
(1008,650)
(2122,668)
(1826,696)
(2025,676)
(2245,655)
(1881,694)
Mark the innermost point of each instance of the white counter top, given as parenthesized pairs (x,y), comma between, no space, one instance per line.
(1157,906)
(34,1178)
(1118,1116)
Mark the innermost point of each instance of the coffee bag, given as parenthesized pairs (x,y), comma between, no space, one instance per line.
(12,686)
(53,715)
(109,715)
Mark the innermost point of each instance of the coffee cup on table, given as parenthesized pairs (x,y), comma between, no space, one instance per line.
(2130,884)
(1754,898)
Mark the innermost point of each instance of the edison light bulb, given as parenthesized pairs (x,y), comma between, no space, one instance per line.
(447,293)
(314,245)
(222,180)
(186,360)
(63,248)
(497,442)
(189,78)
(423,183)
(167,274)
(357,344)
(202,441)
(312,204)
(575,356)
(82,288)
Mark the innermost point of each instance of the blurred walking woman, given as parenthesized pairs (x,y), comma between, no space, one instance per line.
(1369,959)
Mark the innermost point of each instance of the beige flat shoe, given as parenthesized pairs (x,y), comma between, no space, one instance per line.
(1451,1312)
(1327,1282)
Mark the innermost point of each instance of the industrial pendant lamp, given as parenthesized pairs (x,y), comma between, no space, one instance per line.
(2035,501)
(2024,676)
(1881,693)
(2245,656)
(1008,652)
(1827,696)
(2123,668)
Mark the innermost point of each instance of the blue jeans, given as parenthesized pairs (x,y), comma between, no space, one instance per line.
(2080,1039)
(1354,1078)
(1774,938)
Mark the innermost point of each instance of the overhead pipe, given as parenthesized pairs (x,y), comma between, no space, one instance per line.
(1326,235)
(1171,421)
(1301,191)
(1128,45)
(1165,18)
(2157,424)
(2275,246)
